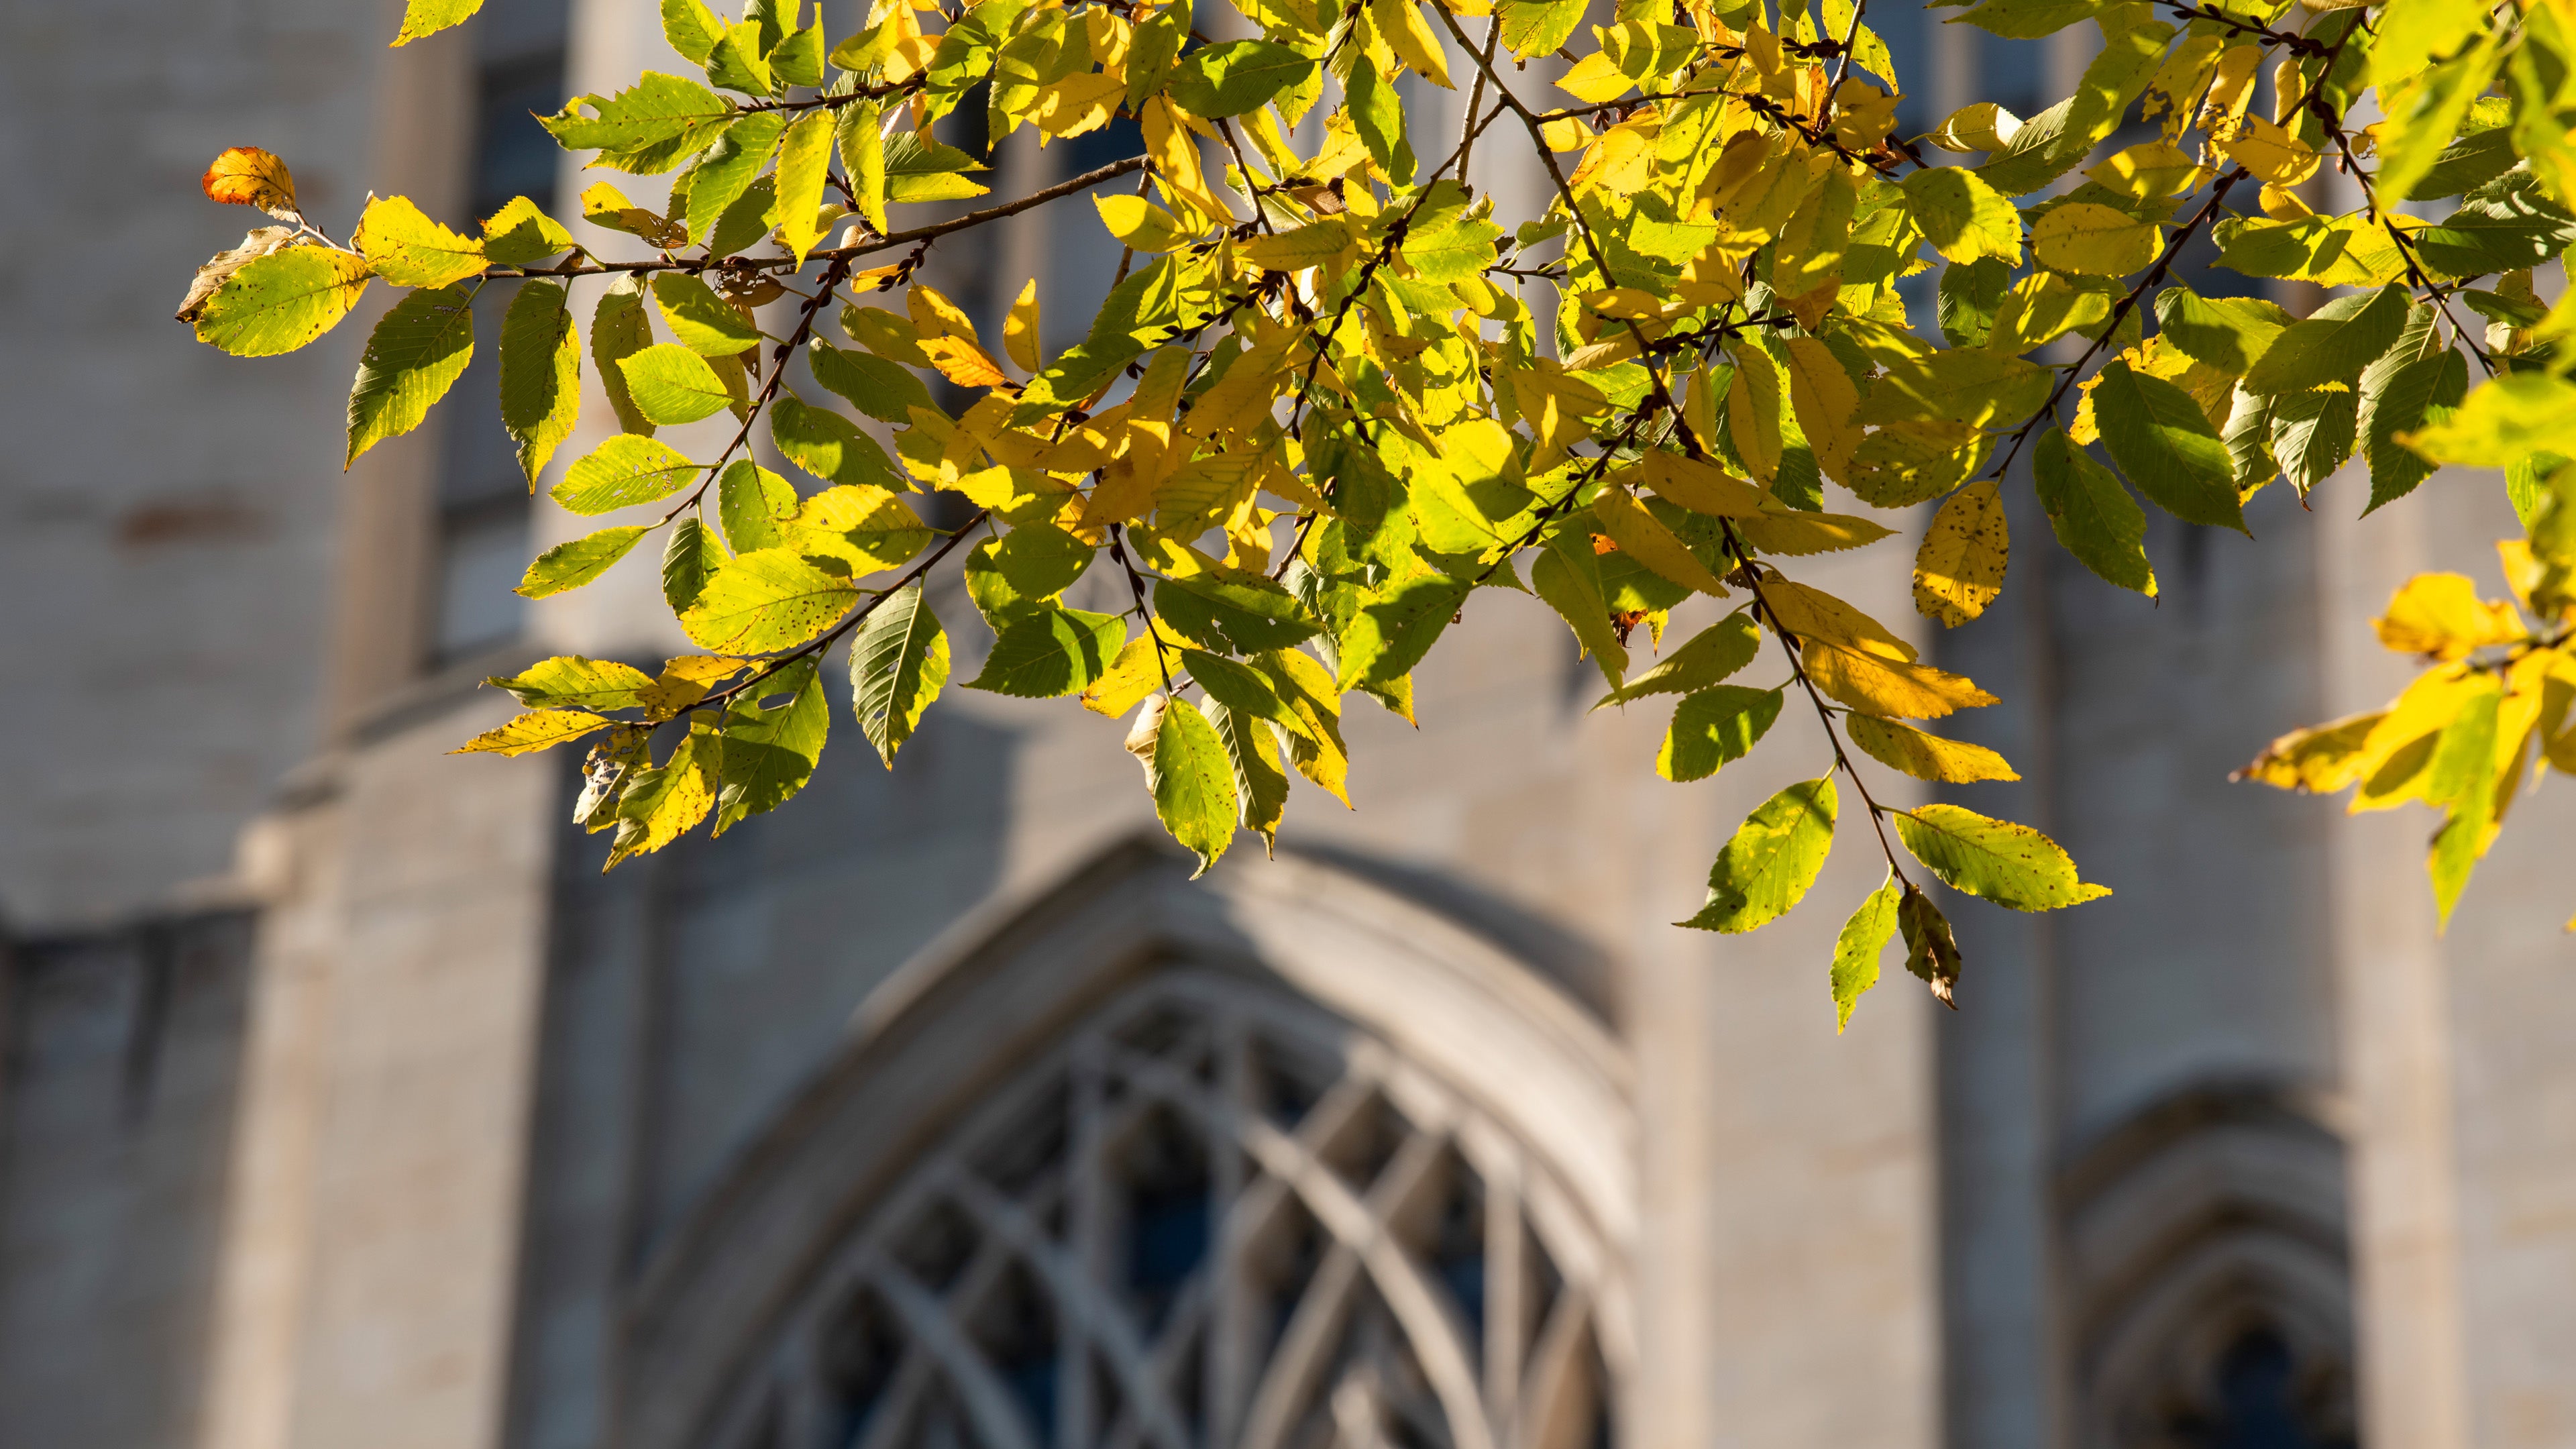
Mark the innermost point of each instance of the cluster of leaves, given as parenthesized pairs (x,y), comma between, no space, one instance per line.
(1323,402)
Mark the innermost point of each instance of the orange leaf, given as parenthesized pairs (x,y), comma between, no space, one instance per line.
(962,362)
(249,176)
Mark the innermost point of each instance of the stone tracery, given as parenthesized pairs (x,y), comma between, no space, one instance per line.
(1211,1214)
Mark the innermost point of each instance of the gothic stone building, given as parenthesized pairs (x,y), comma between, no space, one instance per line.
(347,1103)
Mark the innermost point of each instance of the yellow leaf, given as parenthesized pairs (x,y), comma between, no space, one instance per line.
(1294,251)
(538,729)
(1753,413)
(1020,329)
(1880,685)
(2440,615)
(1960,567)
(2084,236)
(1643,536)
(2271,153)
(1813,614)
(1409,35)
(1926,757)
(1175,156)
(1079,103)
(1783,531)
(2150,169)
(1700,487)
(408,249)
(2392,765)
(1140,224)
(1595,79)
(933,315)
(1826,402)
(249,176)
(2320,759)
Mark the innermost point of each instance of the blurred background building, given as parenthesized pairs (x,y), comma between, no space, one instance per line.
(346,1103)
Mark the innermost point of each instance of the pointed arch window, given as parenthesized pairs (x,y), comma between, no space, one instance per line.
(1212,1215)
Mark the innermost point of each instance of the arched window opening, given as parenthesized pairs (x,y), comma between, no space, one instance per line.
(1214,1216)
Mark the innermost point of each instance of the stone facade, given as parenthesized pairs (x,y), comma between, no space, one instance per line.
(347,1102)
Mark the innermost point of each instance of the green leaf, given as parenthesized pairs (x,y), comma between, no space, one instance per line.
(1993,860)
(2507,417)
(1930,951)
(659,111)
(1857,948)
(687,560)
(1192,781)
(705,323)
(279,302)
(1378,116)
(1714,728)
(619,329)
(691,28)
(1259,783)
(1456,252)
(1243,611)
(2094,518)
(2462,776)
(1711,655)
(520,233)
(568,566)
(1158,41)
(672,385)
(766,601)
(1766,869)
(2428,107)
(2312,434)
(2334,344)
(2228,333)
(830,446)
(736,62)
(1396,626)
(2027,19)
(572,682)
(1976,388)
(886,391)
(1235,76)
(540,373)
(1568,576)
(2500,229)
(663,803)
(921,169)
(746,221)
(1968,296)
(1037,560)
(416,354)
(622,472)
(863,158)
(2402,402)
(1963,216)
(2163,442)
(428,17)
(898,664)
(797,60)
(1538,27)
(1051,651)
(755,506)
(769,754)
(730,165)
(2465,165)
